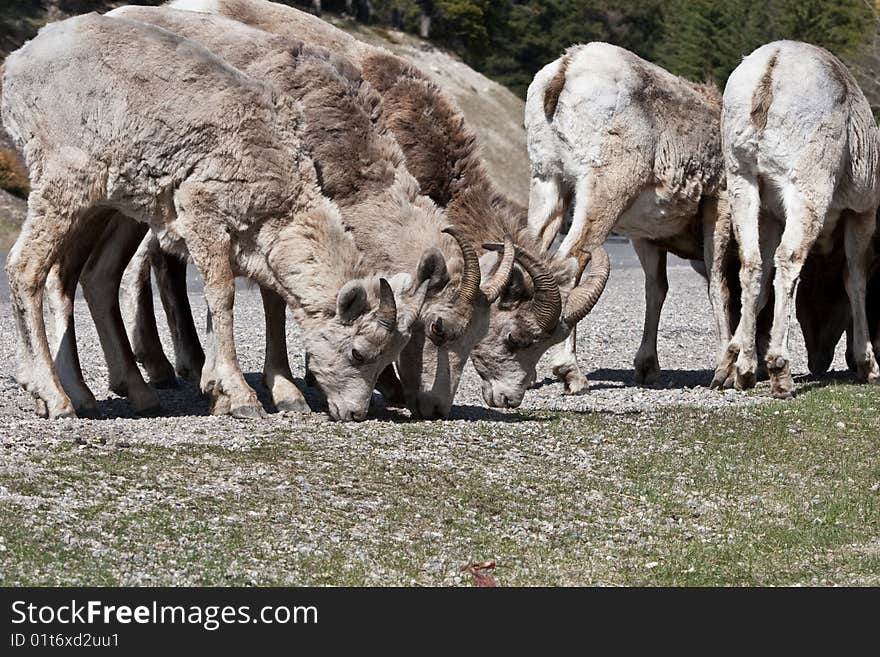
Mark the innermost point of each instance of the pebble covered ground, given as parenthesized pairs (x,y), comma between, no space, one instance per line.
(560,490)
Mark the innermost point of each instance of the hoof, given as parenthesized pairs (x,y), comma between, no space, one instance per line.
(781,393)
(745,380)
(119,388)
(722,380)
(868,372)
(647,377)
(220,405)
(576,384)
(40,408)
(248,412)
(62,413)
(292,406)
(647,370)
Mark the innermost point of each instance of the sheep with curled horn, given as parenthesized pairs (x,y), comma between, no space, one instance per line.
(443,155)
(378,199)
(634,150)
(220,174)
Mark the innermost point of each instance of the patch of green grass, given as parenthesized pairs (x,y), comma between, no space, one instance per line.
(775,493)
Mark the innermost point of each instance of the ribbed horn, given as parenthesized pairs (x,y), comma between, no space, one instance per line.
(582,298)
(547,302)
(386,314)
(470,275)
(492,288)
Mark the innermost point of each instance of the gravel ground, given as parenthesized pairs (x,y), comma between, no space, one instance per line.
(621,485)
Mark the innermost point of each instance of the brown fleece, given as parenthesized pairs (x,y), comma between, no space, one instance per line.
(554,88)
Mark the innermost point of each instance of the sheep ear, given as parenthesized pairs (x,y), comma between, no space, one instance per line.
(432,268)
(351,302)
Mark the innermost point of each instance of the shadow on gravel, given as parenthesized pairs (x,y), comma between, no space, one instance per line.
(186,400)
(808,382)
(610,379)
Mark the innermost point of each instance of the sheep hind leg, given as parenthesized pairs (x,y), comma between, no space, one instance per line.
(803,225)
(653,261)
(286,397)
(100,282)
(756,248)
(857,242)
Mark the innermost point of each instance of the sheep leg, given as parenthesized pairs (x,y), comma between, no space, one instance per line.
(100,282)
(140,318)
(599,203)
(60,293)
(27,267)
(803,225)
(859,229)
(716,245)
(653,261)
(745,206)
(210,246)
(276,370)
(170,272)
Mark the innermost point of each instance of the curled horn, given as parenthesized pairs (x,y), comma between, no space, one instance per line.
(582,298)
(547,302)
(386,314)
(492,288)
(470,275)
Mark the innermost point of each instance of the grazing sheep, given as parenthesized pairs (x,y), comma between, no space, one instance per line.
(220,174)
(801,152)
(443,156)
(379,200)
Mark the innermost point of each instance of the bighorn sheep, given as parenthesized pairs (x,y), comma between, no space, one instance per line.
(801,152)
(637,150)
(220,172)
(379,200)
(443,155)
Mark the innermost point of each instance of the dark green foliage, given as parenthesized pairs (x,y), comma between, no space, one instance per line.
(699,39)
(509,40)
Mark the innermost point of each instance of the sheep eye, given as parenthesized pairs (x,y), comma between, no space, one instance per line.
(357,356)
(514,343)
(437,328)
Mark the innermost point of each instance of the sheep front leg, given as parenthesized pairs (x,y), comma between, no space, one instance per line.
(653,261)
(210,247)
(276,370)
